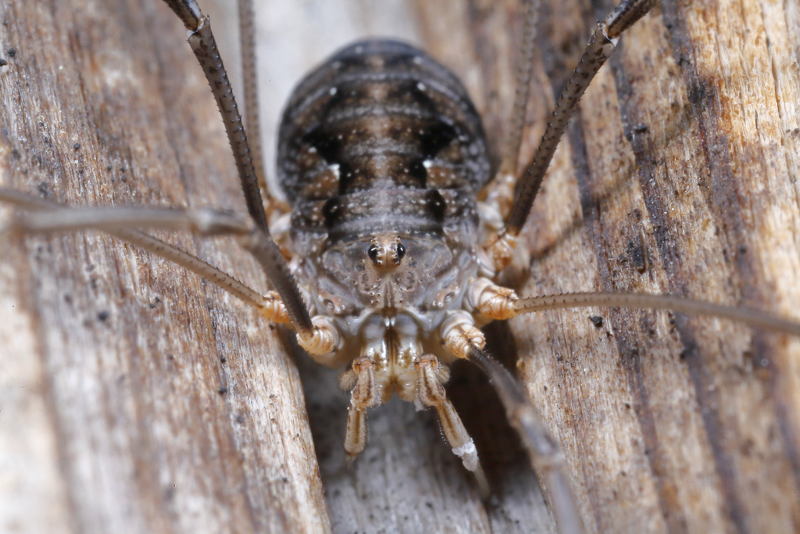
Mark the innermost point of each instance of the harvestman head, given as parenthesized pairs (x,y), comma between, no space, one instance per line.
(397,329)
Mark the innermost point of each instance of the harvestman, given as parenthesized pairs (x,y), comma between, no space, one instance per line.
(400,341)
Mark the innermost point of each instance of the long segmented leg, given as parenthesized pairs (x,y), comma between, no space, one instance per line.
(543,450)
(462,339)
(275,313)
(601,44)
(321,337)
(206,222)
(260,244)
(252,122)
(490,301)
(754,318)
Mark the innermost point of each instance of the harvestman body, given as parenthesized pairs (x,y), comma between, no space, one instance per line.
(383,157)
(383,154)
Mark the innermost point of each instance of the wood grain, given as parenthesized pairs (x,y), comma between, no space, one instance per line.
(137,398)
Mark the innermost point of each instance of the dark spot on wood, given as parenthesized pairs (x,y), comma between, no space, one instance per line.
(76,147)
(12,52)
(102,316)
(699,92)
(222,390)
(597,321)
(637,255)
(3,62)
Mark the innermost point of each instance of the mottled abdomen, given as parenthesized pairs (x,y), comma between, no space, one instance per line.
(381,137)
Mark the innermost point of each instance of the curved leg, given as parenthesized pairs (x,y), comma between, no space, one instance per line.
(543,450)
(270,304)
(201,39)
(601,44)
(463,340)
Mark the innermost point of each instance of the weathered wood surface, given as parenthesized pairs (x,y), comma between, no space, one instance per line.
(137,398)
(685,154)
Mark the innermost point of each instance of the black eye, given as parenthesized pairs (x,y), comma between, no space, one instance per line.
(401,251)
(372,252)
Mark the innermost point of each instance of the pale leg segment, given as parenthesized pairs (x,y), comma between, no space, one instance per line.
(363,395)
(430,392)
